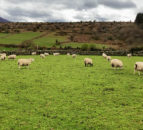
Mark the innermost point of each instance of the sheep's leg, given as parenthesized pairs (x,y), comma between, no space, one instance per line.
(139,73)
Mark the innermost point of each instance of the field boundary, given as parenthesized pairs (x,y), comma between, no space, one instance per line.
(98,52)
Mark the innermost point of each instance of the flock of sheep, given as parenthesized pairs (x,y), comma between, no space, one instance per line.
(115,63)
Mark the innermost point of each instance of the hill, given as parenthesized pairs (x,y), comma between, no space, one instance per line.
(117,35)
(3,20)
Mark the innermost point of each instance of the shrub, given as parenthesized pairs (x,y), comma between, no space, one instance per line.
(28,44)
(139,18)
(84,47)
(92,47)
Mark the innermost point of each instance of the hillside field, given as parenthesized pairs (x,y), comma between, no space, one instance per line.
(60,93)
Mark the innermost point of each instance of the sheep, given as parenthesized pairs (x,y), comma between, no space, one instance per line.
(46,54)
(88,61)
(138,67)
(104,55)
(74,55)
(24,62)
(33,53)
(129,55)
(3,54)
(116,63)
(56,54)
(108,58)
(68,54)
(12,57)
(42,55)
(3,57)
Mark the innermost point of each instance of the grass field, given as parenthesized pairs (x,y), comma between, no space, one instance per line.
(60,93)
(49,40)
(18,38)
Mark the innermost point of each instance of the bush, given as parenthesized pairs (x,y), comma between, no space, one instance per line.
(92,47)
(139,18)
(28,44)
(84,47)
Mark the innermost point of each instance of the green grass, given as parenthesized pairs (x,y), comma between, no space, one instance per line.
(49,40)
(75,45)
(18,38)
(3,35)
(60,93)
(7,48)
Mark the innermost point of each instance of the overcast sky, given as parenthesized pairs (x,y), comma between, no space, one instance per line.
(69,10)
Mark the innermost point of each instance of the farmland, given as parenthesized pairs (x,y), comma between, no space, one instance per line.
(60,93)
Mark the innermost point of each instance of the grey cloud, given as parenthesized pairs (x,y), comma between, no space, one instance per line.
(118,4)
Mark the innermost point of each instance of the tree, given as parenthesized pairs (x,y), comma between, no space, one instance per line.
(139,18)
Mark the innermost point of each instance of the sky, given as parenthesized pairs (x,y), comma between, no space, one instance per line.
(69,10)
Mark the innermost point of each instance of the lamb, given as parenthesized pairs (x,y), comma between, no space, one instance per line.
(116,63)
(33,53)
(56,54)
(138,67)
(12,57)
(3,57)
(129,55)
(74,55)
(108,58)
(46,54)
(68,54)
(42,55)
(24,62)
(104,55)
(88,61)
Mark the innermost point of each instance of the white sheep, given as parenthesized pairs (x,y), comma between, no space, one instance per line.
(104,55)
(88,61)
(3,57)
(108,58)
(56,54)
(115,63)
(2,54)
(42,55)
(129,55)
(24,62)
(12,57)
(33,53)
(138,67)
(68,54)
(74,55)
(46,54)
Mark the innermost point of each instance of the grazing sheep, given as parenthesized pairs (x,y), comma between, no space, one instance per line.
(3,57)
(2,54)
(68,54)
(104,55)
(24,62)
(42,55)
(74,55)
(138,67)
(46,54)
(88,61)
(33,53)
(108,58)
(12,57)
(56,54)
(116,63)
(129,55)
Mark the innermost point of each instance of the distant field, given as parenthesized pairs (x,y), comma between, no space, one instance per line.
(60,93)
(18,38)
(49,40)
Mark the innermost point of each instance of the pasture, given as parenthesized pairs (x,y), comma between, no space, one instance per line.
(58,92)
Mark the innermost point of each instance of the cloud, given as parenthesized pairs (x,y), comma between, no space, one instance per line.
(69,10)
